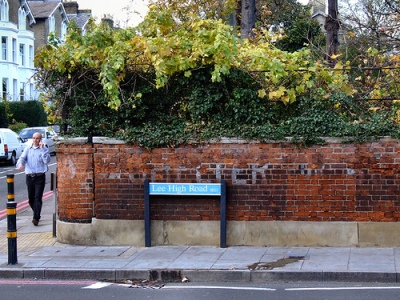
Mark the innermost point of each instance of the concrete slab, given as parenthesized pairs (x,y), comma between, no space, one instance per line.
(65,263)
(59,251)
(204,257)
(102,251)
(251,254)
(106,263)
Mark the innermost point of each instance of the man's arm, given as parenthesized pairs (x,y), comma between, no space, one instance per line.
(22,159)
(46,155)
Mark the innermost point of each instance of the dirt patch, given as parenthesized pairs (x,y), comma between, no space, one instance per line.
(275,264)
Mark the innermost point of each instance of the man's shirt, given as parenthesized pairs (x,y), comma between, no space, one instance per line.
(34,160)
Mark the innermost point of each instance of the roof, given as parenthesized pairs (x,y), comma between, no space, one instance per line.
(81,18)
(41,9)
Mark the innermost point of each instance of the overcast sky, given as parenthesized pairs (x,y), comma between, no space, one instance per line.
(115,8)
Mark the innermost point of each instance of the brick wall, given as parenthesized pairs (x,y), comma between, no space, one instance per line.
(75,187)
(276,181)
(40,29)
(13,11)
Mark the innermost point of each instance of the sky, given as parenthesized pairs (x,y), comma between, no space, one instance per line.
(115,8)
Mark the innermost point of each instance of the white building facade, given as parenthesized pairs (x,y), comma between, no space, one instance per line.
(17,52)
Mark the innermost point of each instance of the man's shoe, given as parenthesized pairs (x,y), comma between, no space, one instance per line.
(35,222)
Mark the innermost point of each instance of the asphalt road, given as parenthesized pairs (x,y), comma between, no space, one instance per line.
(20,191)
(91,290)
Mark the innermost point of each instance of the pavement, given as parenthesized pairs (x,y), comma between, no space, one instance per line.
(40,256)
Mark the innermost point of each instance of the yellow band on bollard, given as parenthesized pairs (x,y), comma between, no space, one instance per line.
(10,196)
(9,180)
(12,234)
(11,211)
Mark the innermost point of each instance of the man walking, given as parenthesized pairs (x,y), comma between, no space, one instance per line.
(34,160)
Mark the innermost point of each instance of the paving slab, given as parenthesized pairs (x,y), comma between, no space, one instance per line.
(41,256)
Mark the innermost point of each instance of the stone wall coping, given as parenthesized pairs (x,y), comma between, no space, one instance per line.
(222,140)
(84,140)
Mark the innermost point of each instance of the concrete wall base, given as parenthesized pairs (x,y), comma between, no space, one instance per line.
(239,233)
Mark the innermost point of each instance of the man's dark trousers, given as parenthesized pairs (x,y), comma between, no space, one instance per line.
(36,186)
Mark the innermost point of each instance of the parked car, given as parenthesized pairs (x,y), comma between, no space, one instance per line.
(11,146)
(60,130)
(47,132)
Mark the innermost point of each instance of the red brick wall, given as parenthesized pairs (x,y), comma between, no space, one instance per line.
(75,189)
(276,181)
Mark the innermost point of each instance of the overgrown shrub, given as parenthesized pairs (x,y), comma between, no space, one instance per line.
(29,112)
(3,116)
(195,109)
(17,126)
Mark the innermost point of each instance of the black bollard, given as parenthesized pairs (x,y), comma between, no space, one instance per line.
(11,222)
(52,188)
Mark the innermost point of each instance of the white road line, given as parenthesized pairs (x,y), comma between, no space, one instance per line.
(217,287)
(19,173)
(345,288)
(97,285)
(43,282)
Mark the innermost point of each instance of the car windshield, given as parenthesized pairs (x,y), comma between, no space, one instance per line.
(28,133)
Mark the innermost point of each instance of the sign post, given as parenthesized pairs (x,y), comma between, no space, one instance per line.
(185,189)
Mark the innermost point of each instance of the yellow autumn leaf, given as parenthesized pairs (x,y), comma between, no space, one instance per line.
(285,99)
(262,93)
(278,93)
(339,65)
(334,56)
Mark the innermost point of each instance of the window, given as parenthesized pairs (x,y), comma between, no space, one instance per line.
(15,89)
(3,47)
(21,19)
(14,50)
(52,24)
(64,27)
(22,54)
(5,88)
(4,10)
(21,92)
(31,56)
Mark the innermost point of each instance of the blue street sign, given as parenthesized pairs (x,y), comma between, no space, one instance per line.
(193,189)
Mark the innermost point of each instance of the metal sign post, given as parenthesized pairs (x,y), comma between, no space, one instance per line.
(185,189)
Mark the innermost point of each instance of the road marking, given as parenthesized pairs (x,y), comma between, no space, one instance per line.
(45,282)
(97,285)
(217,287)
(18,173)
(24,204)
(345,288)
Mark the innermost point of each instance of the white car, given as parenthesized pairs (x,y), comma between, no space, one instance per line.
(11,146)
(47,132)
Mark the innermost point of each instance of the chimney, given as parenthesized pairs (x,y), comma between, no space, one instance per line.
(71,7)
(107,19)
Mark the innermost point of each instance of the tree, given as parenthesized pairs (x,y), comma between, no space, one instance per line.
(248,18)
(104,67)
(240,13)
(370,44)
(291,23)
(193,77)
(332,32)
(376,23)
